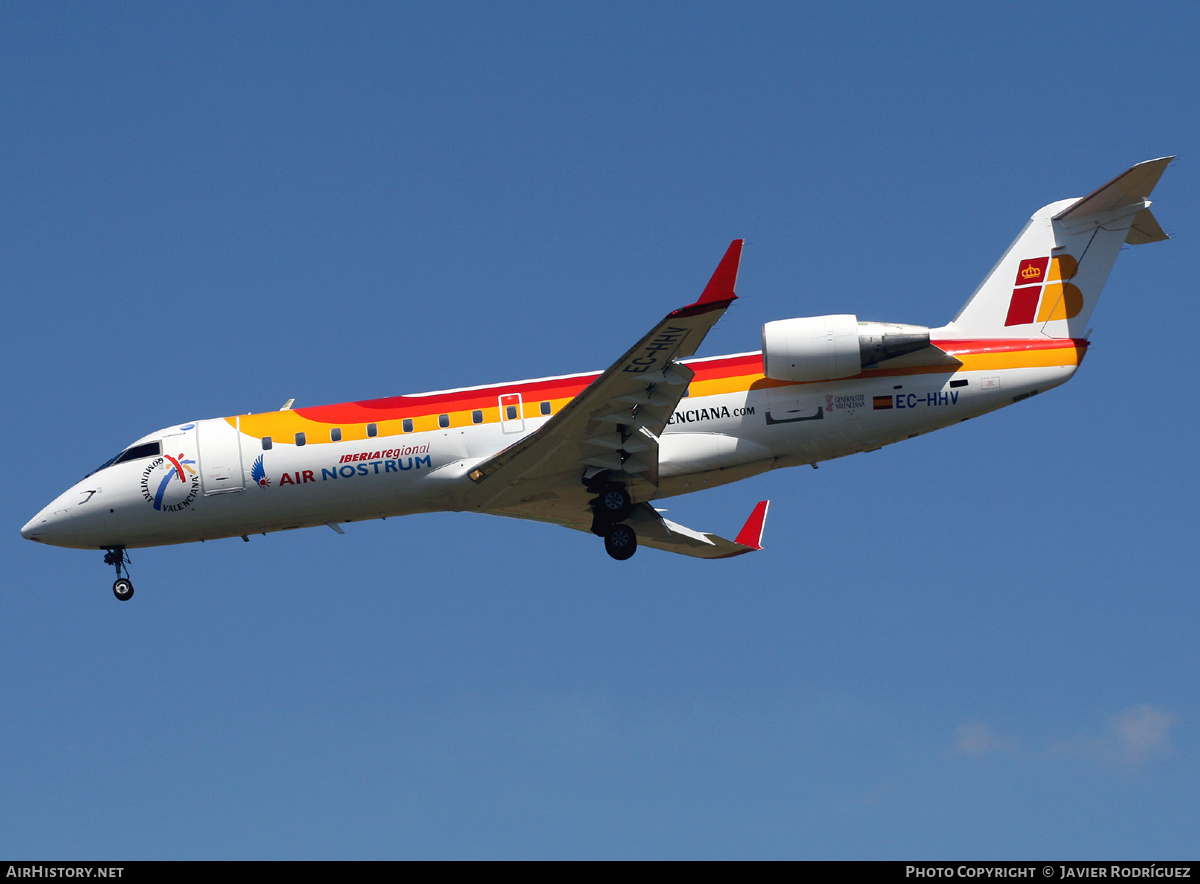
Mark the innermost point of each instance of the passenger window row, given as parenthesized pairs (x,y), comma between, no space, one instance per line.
(335,434)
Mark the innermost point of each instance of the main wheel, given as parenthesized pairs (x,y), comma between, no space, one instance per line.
(621,542)
(123,589)
(614,503)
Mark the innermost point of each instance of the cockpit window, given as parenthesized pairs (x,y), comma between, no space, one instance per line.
(137,452)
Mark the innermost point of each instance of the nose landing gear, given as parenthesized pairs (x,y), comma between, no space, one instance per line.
(118,558)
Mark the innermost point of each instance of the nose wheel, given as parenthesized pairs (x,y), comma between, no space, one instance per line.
(119,559)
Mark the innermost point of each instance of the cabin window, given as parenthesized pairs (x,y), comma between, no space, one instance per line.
(545,408)
(335,435)
(476,416)
(372,430)
(300,440)
(408,425)
(443,420)
(510,412)
(267,443)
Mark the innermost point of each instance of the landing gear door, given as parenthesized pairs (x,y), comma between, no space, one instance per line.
(794,404)
(220,457)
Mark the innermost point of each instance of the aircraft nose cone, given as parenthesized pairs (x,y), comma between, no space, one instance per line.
(65,521)
(33,527)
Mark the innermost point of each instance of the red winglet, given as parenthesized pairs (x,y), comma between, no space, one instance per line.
(752,532)
(724,278)
(720,288)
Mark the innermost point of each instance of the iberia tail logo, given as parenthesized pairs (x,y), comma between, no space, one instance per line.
(1043,281)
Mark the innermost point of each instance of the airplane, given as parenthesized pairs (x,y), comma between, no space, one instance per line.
(594,451)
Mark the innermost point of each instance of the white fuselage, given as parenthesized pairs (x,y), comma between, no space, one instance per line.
(202,485)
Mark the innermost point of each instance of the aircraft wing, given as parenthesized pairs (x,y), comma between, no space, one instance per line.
(652,529)
(614,424)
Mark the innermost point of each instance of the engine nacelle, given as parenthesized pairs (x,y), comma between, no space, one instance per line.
(823,348)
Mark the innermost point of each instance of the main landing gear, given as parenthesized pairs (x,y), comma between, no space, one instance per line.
(620,542)
(610,507)
(118,558)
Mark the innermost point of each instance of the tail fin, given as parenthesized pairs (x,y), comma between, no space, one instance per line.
(1048,282)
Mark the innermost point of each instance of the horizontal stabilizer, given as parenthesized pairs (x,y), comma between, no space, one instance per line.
(1144,229)
(1131,188)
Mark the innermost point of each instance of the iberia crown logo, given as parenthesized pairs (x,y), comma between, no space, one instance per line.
(1058,298)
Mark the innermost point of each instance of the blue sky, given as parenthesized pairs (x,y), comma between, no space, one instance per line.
(978,643)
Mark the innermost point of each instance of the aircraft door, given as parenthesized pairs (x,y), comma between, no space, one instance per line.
(511,418)
(220,457)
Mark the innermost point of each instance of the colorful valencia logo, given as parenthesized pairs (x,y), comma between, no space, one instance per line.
(1044,281)
(159,488)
